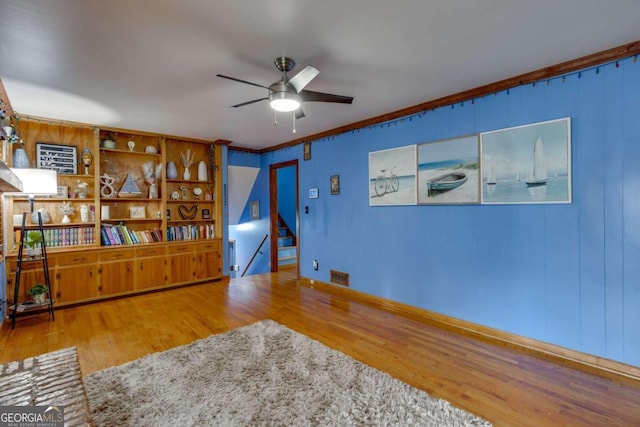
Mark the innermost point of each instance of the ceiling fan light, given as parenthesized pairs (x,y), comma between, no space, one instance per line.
(284,105)
(284,101)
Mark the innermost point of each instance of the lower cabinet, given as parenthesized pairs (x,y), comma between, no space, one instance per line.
(75,277)
(208,263)
(181,264)
(195,262)
(116,272)
(150,267)
(90,275)
(32,273)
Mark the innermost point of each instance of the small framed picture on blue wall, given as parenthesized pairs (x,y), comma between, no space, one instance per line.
(334,183)
(313,193)
(307,151)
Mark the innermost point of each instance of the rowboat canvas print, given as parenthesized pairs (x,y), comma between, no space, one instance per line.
(527,164)
(448,171)
(392,176)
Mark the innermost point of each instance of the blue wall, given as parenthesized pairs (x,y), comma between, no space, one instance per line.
(566,274)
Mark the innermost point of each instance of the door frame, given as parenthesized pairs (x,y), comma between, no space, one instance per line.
(273,213)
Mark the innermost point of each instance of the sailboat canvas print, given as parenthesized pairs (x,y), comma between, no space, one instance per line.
(527,164)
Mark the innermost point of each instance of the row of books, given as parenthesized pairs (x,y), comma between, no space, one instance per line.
(115,235)
(190,232)
(65,236)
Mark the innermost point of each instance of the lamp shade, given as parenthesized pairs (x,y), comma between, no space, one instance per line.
(285,105)
(283,98)
(37,181)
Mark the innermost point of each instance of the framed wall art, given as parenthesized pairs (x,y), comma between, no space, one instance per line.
(307,151)
(61,158)
(449,171)
(527,164)
(334,184)
(392,176)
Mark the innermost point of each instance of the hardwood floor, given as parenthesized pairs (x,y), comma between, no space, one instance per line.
(502,385)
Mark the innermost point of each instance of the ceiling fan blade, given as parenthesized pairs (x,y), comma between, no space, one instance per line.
(241,81)
(299,113)
(248,102)
(310,96)
(300,80)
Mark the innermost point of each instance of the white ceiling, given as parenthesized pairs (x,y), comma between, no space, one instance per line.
(151,64)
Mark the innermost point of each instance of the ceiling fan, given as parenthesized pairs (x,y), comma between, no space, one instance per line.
(287,93)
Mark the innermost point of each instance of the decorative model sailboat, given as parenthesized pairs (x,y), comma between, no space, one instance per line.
(130,188)
(538,174)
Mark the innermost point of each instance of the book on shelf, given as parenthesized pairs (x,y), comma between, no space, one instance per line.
(68,236)
(120,234)
(190,232)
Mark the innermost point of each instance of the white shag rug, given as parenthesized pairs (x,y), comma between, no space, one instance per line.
(260,375)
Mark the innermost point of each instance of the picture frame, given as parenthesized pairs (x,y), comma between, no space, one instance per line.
(63,192)
(254,210)
(393,176)
(334,184)
(527,164)
(313,193)
(306,150)
(449,171)
(137,212)
(61,158)
(206,214)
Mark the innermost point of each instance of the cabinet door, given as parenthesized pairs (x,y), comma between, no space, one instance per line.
(76,283)
(181,268)
(151,272)
(207,265)
(116,277)
(30,276)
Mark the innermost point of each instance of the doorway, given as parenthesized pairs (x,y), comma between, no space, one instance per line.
(283,211)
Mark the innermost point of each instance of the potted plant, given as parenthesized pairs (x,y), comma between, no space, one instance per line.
(38,292)
(33,242)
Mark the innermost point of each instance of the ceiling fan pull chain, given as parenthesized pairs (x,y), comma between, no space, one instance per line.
(275,118)
(293,115)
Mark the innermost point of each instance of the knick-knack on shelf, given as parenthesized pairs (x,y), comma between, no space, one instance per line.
(172,170)
(202,171)
(66,210)
(186,157)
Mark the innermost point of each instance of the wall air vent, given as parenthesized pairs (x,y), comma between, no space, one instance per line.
(339,278)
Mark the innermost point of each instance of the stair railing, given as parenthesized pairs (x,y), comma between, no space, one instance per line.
(254,255)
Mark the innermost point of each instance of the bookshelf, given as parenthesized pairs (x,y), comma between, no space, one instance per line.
(123,201)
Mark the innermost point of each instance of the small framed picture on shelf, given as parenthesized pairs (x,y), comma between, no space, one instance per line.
(63,192)
(137,212)
(60,158)
(206,214)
